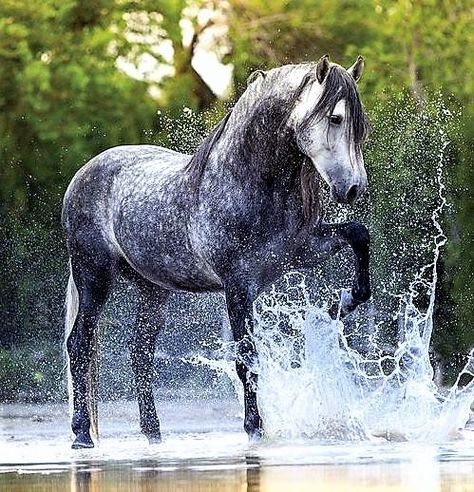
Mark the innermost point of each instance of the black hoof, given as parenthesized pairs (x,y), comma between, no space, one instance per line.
(155,439)
(83,441)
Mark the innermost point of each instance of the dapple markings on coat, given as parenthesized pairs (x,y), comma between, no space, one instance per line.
(234,217)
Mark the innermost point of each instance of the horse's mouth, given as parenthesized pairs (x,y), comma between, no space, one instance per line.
(346,197)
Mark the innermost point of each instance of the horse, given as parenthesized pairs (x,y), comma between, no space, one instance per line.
(234,217)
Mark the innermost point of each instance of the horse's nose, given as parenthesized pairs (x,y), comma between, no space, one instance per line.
(352,194)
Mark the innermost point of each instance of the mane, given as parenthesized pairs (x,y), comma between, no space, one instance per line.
(273,113)
(310,193)
(197,164)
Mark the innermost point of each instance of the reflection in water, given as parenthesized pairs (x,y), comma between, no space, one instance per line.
(85,478)
(247,475)
(253,473)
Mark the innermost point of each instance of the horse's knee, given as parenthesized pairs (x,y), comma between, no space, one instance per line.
(142,350)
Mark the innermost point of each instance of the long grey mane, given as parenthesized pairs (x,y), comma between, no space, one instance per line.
(269,114)
(197,164)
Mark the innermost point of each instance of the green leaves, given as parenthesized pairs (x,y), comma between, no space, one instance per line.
(59,82)
(63,99)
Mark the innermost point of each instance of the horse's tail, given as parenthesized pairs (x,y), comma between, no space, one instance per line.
(72,308)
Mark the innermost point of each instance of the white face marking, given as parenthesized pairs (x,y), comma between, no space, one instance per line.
(340,109)
(327,144)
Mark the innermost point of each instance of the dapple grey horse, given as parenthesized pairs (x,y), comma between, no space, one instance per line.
(233,217)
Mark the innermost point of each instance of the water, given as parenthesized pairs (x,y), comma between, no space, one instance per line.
(204,449)
(312,384)
(238,477)
(338,415)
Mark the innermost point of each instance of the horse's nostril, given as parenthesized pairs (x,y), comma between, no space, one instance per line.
(352,193)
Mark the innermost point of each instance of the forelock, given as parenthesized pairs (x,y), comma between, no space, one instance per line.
(338,85)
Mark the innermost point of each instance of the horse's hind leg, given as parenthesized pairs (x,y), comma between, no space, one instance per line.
(92,279)
(142,350)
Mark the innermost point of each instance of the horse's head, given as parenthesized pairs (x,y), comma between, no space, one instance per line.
(330,125)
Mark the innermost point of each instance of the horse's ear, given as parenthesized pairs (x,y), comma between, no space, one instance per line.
(322,68)
(357,69)
(255,75)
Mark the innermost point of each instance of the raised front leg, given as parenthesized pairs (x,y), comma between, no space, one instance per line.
(357,237)
(239,305)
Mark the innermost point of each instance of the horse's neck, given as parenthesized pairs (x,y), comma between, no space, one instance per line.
(258,150)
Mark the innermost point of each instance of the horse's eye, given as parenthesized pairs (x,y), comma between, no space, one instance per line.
(335,119)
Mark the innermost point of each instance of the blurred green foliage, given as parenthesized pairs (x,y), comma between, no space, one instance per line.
(64,98)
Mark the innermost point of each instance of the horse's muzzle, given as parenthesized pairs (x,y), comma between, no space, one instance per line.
(347,196)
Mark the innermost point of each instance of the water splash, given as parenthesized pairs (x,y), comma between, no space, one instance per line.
(313,384)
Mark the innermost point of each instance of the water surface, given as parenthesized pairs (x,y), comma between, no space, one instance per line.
(204,449)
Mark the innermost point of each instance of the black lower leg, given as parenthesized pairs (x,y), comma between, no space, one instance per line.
(142,350)
(253,425)
(92,279)
(239,305)
(357,237)
(80,349)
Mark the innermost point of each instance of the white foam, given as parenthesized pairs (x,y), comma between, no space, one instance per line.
(323,389)
(313,384)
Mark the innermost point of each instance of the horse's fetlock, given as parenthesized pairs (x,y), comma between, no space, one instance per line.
(80,423)
(252,423)
(150,428)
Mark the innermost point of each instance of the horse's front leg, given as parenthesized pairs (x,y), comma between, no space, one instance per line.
(357,237)
(239,301)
